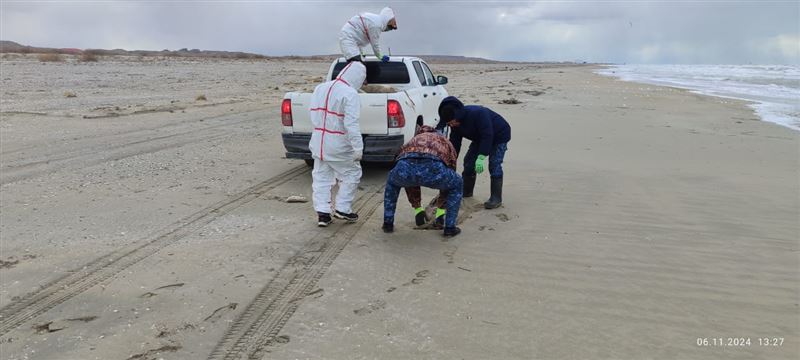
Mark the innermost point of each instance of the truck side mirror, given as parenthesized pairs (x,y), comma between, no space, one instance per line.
(441,80)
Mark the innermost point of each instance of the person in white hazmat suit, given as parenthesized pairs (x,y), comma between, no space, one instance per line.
(365,29)
(336,143)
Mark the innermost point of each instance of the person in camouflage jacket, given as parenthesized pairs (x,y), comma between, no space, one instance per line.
(429,160)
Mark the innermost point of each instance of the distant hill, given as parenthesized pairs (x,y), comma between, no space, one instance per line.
(13,47)
(444,59)
(439,59)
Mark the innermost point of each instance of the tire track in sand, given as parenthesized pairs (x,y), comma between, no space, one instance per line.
(104,268)
(92,155)
(261,321)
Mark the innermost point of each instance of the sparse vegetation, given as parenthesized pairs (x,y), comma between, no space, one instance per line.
(70,94)
(201,97)
(88,57)
(534,92)
(12,47)
(511,101)
(50,58)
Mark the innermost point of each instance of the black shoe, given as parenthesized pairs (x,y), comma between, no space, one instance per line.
(323,219)
(421,218)
(469,184)
(497,194)
(351,218)
(388,228)
(453,231)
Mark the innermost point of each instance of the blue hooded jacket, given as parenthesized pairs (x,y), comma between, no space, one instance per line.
(477,123)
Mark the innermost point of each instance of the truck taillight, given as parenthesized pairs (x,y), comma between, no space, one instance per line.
(394,114)
(286,112)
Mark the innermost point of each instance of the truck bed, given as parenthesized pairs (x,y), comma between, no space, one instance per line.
(373,113)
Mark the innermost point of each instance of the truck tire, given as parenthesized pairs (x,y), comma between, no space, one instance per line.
(310,162)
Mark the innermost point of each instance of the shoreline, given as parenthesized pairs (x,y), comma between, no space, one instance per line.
(765,109)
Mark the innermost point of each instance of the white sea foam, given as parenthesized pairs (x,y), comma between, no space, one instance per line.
(774,89)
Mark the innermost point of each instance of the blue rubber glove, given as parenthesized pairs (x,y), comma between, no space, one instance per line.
(479,164)
(385,58)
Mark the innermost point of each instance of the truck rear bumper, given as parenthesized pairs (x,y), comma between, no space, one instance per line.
(378,148)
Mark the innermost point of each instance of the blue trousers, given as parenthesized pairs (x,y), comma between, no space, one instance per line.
(409,172)
(496,156)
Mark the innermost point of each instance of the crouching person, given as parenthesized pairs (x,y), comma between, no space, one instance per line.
(429,160)
(489,133)
(336,143)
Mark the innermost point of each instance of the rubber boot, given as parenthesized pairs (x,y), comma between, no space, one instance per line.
(450,232)
(469,184)
(497,194)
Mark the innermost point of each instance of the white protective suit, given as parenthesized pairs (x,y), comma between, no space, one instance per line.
(336,143)
(362,30)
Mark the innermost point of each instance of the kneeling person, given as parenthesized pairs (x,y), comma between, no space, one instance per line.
(429,160)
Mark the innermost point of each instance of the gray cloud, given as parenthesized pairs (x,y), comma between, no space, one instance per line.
(599,31)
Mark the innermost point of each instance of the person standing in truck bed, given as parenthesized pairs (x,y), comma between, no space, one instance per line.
(365,29)
(429,160)
(489,133)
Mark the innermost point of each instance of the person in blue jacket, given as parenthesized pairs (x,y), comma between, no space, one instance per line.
(489,133)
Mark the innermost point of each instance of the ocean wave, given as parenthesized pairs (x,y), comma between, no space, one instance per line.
(775,89)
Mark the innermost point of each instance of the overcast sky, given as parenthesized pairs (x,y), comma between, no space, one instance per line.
(710,31)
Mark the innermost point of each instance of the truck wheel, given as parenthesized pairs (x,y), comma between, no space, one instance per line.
(310,162)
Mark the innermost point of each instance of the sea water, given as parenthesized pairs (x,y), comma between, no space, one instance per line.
(773,89)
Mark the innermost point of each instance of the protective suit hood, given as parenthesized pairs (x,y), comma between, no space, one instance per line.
(354,74)
(386,14)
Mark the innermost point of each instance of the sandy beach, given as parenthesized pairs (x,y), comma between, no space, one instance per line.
(141,220)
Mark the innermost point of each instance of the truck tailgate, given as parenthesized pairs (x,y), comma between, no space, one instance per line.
(372,120)
(373,114)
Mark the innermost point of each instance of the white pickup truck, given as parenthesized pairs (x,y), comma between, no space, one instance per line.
(387,120)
